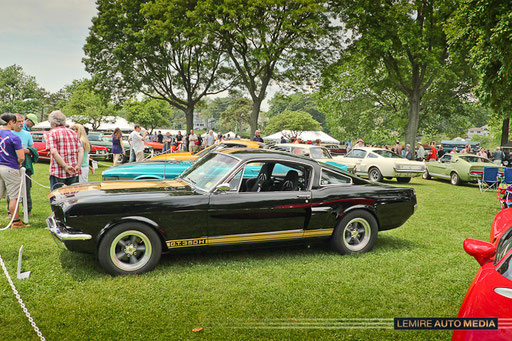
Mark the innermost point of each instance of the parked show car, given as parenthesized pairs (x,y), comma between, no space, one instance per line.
(317,153)
(490,293)
(97,152)
(188,156)
(334,149)
(162,167)
(231,197)
(105,140)
(379,163)
(458,168)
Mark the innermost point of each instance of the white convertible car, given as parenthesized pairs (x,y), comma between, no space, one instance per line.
(379,163)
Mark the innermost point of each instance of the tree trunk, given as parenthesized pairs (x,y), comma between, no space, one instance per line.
(189,114)
(412,126)
(253,122)
(504,131)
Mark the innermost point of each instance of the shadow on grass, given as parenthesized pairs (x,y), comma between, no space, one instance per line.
(81,266)
(84,267)
(298,252)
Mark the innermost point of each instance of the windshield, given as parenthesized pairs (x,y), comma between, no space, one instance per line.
(472,158)
(387,153)
(94,138)
(319,153)
(209,170)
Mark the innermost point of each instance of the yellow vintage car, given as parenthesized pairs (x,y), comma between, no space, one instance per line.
(187,156)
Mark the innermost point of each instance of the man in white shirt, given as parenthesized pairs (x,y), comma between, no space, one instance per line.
(209,140)
(193,142)
(137,142)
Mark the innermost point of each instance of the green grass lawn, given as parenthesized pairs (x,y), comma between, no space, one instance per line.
(417,270)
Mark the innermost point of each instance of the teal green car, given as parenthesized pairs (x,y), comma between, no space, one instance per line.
(458,168)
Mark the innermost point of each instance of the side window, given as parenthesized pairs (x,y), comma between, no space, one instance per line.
(234,182)
(274,176)
(372,156)
(331,178)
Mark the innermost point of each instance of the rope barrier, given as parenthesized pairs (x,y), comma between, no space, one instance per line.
(20,301)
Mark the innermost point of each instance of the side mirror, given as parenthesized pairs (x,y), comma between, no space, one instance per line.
(225,187)
(482,251)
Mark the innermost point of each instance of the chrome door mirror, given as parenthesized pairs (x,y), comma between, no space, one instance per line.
(224,187)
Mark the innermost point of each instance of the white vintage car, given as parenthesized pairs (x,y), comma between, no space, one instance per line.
(379,163)
(315,152)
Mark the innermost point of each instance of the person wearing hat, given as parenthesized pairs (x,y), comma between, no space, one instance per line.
(420,154)
(360,143)
(30,121)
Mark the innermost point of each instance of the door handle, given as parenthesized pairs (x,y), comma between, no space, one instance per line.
(304,196)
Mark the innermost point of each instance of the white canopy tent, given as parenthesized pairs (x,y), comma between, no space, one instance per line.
(111,123)
(305,136)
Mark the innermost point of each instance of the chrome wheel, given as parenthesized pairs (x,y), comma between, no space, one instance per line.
(374,175)
(130,250)
(356,234)
(455,179)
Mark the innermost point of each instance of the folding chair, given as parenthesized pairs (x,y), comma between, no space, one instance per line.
(505,197)
(507,176)
(489,179)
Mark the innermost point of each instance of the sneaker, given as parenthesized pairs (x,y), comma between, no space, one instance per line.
(19,224)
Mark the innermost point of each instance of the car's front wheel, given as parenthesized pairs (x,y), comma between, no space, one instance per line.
(455,179)
(355,233)
(375,175)
(129,248)
(426,175)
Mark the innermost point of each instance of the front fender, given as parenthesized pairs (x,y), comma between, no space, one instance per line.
(122,220)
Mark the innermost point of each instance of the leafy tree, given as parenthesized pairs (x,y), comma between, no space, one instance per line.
(481,34)
(267,40)
(359,103)
(159,48)
(296,102)
(149,113)
(19,92)
(86,105)
(294,121)
(236,115)
(406,40)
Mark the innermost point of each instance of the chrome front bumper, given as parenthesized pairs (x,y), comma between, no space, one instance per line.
(51,225)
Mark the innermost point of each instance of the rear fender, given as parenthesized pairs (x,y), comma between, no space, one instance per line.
(148,177)
(368,208)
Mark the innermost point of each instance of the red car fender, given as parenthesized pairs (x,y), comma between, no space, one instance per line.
(501,223)
(482,301)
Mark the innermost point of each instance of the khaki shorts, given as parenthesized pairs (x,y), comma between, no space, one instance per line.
(9,182)
(139,156)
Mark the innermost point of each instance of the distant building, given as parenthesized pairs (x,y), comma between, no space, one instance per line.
(201,122)
(482,131)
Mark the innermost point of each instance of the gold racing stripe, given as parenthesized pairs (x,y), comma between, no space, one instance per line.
(248,238)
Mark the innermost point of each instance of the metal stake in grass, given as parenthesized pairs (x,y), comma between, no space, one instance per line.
(21,275)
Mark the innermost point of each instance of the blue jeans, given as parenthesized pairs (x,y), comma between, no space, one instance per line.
(56,182)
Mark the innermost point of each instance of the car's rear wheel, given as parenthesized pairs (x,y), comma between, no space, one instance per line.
(426,175)
(455,179)
(129,248)
(403,180)
(355,233)
(374,175)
